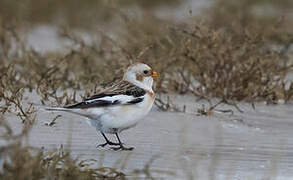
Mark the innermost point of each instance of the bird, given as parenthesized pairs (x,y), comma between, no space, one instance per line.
(120,106)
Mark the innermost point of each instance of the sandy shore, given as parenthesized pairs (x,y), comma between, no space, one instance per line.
(256,144)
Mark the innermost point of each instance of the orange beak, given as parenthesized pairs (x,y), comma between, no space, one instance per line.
(154,74)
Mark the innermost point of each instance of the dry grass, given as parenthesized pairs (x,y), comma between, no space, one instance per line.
(193,59)
(20,161)
(79,14)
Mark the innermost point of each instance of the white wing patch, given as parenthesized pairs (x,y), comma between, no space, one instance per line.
(122,99)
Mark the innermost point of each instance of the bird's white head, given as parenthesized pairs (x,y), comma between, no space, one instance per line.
(141,75)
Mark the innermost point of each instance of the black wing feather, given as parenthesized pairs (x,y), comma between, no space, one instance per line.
(92,104)
(135,91)
(122,88)
(135,101)
(101,95)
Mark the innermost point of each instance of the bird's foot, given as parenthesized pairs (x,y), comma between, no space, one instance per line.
(108,143)
(122,148)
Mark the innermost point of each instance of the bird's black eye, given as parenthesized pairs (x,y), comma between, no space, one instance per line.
(145,71)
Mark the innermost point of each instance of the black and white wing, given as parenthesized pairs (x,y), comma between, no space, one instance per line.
(122,93)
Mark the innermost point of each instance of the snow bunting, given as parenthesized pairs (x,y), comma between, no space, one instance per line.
(120,106)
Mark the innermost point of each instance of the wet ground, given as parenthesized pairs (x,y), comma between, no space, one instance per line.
(256,144)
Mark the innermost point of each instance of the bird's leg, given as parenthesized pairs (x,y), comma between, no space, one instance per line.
(121,145)
(108,142)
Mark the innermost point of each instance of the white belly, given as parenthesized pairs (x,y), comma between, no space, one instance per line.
(121,117)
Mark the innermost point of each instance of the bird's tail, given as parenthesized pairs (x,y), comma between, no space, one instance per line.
(47,108)
(64,109)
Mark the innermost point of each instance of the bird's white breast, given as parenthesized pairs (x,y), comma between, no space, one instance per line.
(122,117)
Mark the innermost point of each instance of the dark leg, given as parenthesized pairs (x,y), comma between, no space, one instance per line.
(121,145)
(108,142)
